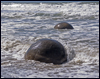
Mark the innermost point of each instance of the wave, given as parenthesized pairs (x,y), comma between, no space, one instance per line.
(55,11)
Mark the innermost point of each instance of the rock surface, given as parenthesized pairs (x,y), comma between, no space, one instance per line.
(47,50)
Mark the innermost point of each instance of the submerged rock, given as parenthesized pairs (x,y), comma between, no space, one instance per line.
(63,25)
(47,50)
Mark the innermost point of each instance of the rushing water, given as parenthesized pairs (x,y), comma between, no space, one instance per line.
(22,24)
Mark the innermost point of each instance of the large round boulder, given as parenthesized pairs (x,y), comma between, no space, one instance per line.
(47,50)
(63,25)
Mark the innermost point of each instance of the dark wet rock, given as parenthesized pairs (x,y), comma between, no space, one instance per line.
(63,25)
(47,50)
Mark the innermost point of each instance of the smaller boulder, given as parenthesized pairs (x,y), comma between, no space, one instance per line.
(63,25)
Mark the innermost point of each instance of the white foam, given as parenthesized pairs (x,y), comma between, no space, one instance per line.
(69,9)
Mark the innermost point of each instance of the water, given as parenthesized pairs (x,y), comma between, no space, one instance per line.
(22,24)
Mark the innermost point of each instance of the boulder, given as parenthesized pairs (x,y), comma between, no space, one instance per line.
(48,51)
(63,25)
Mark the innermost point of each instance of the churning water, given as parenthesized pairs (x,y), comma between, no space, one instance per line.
(22,24)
